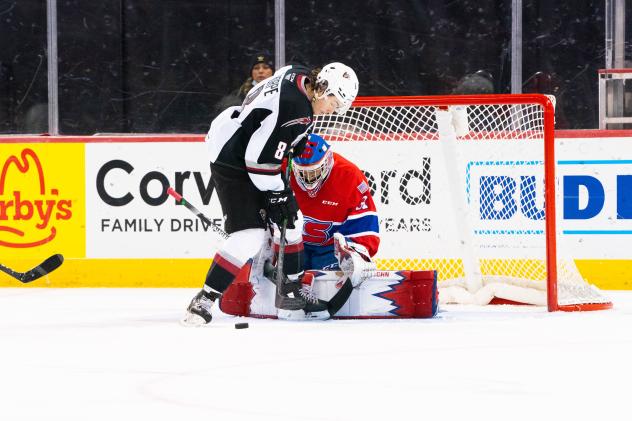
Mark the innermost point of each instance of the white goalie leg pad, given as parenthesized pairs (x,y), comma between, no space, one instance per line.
(410,294)
(354,260)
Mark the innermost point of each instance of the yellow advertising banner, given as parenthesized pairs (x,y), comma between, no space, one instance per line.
(42,200)
(55,198)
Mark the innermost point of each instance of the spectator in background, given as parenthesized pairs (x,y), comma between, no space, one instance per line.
(479,82)
(261,68)
(547,84)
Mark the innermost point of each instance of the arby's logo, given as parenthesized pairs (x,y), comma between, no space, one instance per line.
(27,215)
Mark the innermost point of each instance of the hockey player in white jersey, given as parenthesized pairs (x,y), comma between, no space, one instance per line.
(248,144)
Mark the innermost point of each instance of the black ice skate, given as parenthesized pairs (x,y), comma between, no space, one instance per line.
(199,310)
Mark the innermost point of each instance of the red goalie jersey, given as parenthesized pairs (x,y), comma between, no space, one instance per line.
(344,204)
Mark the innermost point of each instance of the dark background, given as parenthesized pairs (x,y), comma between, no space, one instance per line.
(150,66)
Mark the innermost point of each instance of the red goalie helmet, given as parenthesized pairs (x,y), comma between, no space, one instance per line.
(313,166)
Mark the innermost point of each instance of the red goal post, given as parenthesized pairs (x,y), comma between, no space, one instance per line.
(477,194)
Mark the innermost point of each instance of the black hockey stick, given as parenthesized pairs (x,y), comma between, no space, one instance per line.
(182,200)
(38,271)
(283,228)
(340,298)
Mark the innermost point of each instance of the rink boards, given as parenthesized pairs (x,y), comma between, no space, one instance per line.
(101,202)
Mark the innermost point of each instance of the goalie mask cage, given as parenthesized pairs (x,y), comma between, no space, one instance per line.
(486,180)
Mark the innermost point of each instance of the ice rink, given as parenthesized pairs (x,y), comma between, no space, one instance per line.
(120,354)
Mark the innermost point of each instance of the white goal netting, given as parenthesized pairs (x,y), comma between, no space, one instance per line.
(465,186)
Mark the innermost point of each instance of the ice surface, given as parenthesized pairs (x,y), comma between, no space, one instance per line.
(120,354)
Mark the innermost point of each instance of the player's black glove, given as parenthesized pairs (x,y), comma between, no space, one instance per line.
(282,205)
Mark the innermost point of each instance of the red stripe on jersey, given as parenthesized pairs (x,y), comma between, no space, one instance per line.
(300,82)
(290,248)
(263,171)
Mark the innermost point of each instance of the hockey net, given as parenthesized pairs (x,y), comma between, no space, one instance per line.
(466,186)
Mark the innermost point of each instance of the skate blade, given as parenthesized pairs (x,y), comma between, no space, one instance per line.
(193,320)
(318,315)
(300,315)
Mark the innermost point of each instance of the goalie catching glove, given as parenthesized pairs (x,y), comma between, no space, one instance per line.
(281,205)
(354,260)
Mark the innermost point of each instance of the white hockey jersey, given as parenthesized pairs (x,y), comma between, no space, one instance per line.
(255,137)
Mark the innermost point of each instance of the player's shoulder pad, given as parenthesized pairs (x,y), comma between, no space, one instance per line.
(299,69)
(294,102)
(295,78)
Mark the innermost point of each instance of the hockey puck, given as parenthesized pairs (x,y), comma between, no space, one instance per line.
(241,325)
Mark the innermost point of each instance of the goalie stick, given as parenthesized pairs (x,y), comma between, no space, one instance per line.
(181,200)
(340,298)
(38,271)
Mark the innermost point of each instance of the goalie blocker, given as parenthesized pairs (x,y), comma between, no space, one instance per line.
(387,294)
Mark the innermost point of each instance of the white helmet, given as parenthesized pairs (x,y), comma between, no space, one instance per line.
(339,80)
